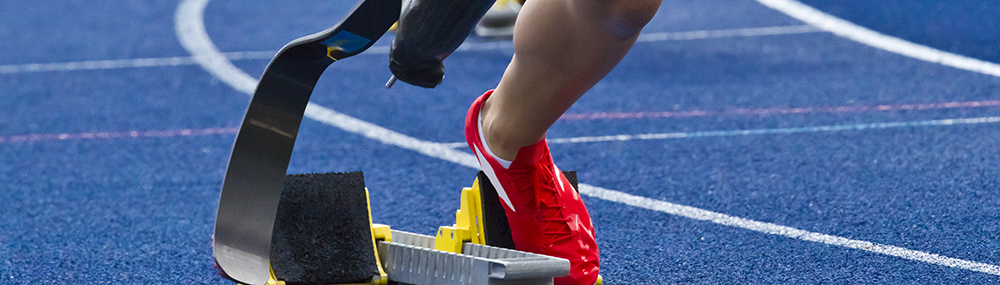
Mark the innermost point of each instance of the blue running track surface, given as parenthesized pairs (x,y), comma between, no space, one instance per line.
(736,143)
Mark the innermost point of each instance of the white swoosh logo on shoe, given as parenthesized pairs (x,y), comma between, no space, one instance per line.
(556,173)
(488,169)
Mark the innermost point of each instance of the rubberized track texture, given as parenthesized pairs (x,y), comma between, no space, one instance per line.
(740,141)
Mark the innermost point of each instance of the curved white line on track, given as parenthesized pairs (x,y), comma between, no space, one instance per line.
(866,36)
(191,32)
(189,25)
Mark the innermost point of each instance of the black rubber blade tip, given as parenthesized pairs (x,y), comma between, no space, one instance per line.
(322,234)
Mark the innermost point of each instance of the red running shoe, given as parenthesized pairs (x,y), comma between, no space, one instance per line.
(545,213)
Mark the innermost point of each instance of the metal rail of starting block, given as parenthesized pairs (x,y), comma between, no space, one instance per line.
(411,258)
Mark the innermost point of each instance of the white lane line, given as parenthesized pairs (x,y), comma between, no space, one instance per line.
(387,136)
(124,63)
(381,50)
(118,135)
(96,64)
(455,145)
(778,111)
(834,128)
(723,219)
(750,132)
(191,35)
(866,36)
(730,33)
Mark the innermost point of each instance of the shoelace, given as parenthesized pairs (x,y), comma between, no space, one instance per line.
(554,224)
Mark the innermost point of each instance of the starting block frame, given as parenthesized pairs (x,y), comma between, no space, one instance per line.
(457,256)
(411,258)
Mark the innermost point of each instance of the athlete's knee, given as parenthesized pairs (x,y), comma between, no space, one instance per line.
(626,18)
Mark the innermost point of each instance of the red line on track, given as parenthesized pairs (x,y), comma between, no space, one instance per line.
(119,135)
(777,111)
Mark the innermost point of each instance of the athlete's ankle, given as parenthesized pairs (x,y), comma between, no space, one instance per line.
(502,140)
(489,151)
(493,138)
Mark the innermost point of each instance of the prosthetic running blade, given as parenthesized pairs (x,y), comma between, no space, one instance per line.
(257,166)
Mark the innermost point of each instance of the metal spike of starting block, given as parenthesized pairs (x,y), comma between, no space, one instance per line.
(458,255)
(411,258)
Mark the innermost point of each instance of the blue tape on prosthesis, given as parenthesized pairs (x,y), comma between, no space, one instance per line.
(347,42)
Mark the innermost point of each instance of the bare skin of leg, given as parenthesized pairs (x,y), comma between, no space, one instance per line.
(562,49)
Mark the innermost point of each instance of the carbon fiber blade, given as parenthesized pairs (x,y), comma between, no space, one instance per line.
(257,166)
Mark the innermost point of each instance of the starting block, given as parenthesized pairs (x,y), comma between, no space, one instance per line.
(324,235)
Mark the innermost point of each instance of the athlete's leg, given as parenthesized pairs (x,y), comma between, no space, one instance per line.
(562,48)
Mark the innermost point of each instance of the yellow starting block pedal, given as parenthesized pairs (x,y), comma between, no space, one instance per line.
(468,223)
(481,220)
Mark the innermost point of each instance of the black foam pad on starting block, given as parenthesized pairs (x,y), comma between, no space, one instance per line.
(495,225)
(322,234)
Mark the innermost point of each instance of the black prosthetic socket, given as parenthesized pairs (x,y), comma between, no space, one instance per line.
(430,31)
